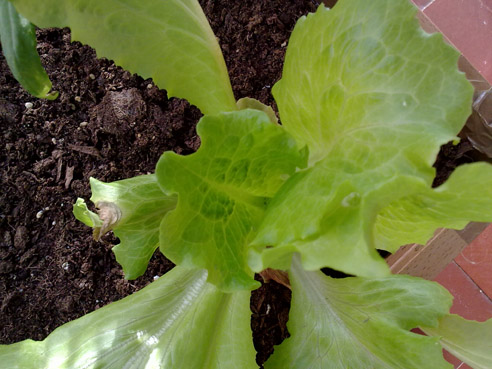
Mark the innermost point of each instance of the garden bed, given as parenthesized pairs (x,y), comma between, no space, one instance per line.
(111,125)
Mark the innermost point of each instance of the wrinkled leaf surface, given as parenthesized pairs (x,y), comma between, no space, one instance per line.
(361,323)
(373,97)
(223,189)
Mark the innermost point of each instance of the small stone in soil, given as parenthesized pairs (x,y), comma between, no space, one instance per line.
(20,238)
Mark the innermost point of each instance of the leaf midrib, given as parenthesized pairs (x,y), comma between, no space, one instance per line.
(332,313)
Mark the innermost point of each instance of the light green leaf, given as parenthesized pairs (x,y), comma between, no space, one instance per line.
(468,340)
(223,189)
(362,67)
(373,97)
(133,208)
(466,196)
(361,323)
(249,103)
(170,41)
(18,39)
(84,215)
(179,321)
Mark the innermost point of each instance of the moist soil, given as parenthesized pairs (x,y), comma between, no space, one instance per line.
(112,125)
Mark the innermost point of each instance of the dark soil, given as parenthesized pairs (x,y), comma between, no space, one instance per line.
(111,125)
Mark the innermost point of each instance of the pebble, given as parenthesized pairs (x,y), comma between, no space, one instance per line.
(7,238)
(149,86)
(40,213)
(21,237)
(156,277)
(83,124)
(28,105)
(65,265)
(77,98)
(91,76)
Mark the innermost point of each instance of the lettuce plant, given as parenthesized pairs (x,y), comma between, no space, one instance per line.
(366,100)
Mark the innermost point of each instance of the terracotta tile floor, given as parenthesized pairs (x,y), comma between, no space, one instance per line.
(469,279)
(467,24)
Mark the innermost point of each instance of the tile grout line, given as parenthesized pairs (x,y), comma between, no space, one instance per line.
(473,281)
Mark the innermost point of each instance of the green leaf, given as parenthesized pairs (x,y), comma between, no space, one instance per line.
(84,215)
(249,103)
(361,323)
(18,39)
(362,67)
(133,208)
(468,340)
(466,196)
(169,41)
(179,321)
(223,189)
(373,97)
